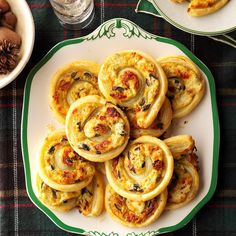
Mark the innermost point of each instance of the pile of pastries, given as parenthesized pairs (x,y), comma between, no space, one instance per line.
(115,116)
(203,7)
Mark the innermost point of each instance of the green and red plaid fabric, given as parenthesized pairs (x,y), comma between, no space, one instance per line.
(18,216)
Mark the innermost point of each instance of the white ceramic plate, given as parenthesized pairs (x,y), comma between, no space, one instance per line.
(220,22)
(25,28)
(115,35)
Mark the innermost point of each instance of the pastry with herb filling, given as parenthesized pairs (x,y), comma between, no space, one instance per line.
(60,167)
(96,129)
(136,82)
(160,124)
(55,199)
(72,81)
(143,170)
(184,184)
(89,200)
(134,213)
(186,85)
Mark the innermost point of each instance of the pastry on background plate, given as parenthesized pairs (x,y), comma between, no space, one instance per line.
(205,7)
(134,81)
(143,170)
(60,167)
(133,213)
(96,129)
(74,80)
(186,85)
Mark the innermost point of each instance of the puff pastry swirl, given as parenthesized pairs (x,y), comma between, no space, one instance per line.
(133,213)
(72,81)
(184,184)
(186,86)
(88,200)
(54,199)
(142,171)
(135,82)
(96,129)
(160,124)
(61,167)
(91,200)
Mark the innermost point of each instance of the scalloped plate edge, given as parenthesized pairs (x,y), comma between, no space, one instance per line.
(107,30)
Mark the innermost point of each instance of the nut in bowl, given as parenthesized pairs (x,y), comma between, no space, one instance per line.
(17,38)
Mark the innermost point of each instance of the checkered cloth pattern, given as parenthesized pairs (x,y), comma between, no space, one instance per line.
(18,215)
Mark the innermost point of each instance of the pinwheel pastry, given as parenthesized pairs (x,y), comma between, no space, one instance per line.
(61,167)
(184,184)
(186,86)
(96,129)
(72,81)
(142,171)
(100,166)
(180,145)
(134,213)
(205,7)
(135,82)
(89,200)
(160,124)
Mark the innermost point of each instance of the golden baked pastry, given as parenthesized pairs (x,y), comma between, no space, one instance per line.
(72,81)
(54,199)
(97,130)
(88,200)
(180,145)
(186,85)
(142,171)
(133,213)
(184,184)
(61,167)
(160,124)
(91,200)
(136,82)
(100,166)
(205,7)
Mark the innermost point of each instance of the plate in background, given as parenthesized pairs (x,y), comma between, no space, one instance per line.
(217,23)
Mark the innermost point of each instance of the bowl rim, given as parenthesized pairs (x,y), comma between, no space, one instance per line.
(4,81)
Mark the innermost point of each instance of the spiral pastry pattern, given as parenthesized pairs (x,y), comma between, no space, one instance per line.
(184,184)
(89,200)
(72,81)
(180,145)
(142,171)
(54,199)
(133,213)
(96,129)
(186,86)
(160,124)
(135,82)
(60,167)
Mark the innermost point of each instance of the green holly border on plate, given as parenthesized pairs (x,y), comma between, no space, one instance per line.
(108,29)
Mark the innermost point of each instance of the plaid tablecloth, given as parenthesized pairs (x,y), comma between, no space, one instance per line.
(18,216)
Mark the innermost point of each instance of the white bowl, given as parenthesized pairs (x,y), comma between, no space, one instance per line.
(25,28)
